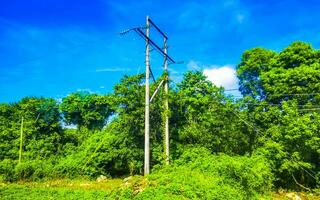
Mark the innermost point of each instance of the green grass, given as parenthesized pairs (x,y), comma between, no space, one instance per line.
(84,189)
(287,195)
(60,189)
(190,177)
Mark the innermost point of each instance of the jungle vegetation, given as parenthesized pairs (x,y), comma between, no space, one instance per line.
(221,147)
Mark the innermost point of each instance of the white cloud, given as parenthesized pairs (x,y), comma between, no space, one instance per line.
(224,76)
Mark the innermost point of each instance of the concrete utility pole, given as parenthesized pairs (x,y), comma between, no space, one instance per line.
(21,138)
(148,100)
(147,106)
(166,103)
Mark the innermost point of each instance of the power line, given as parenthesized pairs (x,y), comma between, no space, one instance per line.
(309,109)
(232,89)
(293,94)
(272,104)
(245,122)
(280,94)
(259,132)
(277,94)
(309,173)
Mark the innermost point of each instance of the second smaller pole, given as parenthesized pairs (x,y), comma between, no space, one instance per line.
(21,140)
(166,103)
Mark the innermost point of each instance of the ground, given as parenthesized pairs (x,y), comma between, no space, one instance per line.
(85,189)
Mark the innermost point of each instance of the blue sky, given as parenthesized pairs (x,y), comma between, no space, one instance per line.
(54,47)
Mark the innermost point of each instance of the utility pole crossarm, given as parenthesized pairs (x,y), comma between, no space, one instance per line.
(154,45)
(158,29)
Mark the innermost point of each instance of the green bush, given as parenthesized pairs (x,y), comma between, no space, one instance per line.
(197,174)
(24,170)
(7,170)
(252,173)
(33,170)
(68,167)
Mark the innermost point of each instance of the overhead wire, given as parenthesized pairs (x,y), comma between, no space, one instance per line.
(311,172)
(260,132)
(280,94)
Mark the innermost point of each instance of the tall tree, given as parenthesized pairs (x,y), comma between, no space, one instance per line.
(9,132)
(287,133)
(208,117)
(291,74)
(86,110)
(295,74)
(253,63)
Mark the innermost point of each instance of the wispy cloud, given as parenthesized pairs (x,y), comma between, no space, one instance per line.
(193,65)
(172,71)
(85,90)
(240,18)
(113,69)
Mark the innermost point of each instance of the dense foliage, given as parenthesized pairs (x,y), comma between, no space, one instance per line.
(283,105)
(271,136)
(206,177)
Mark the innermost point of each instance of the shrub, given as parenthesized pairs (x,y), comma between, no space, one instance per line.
(33,170)
(7,170)
(24,170)
(252,173)
(197,174)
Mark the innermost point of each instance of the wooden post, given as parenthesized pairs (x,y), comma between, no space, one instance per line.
(21,138)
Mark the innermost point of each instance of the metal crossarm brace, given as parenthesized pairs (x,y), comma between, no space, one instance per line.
(156,91)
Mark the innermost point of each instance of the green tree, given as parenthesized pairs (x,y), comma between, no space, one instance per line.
(253,63)
(291,74)
(279,115)
(292,145)
(86,110)
(42,132)
(42,128)
(9,132)
(294,75)
(206,117)
(129,96)
(119,148)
